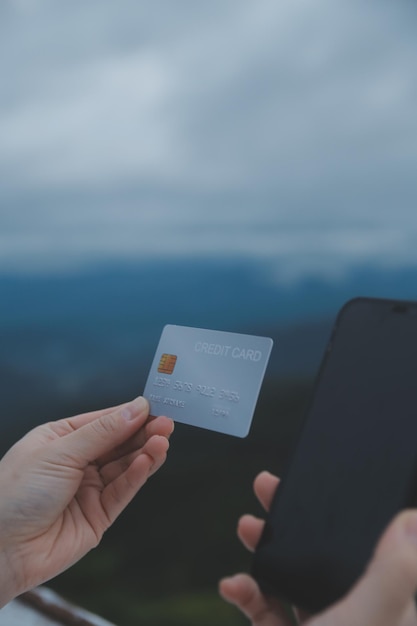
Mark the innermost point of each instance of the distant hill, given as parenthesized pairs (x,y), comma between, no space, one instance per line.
(74,341)
(223,294)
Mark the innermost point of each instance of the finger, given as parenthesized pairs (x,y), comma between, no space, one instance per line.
(384,595)
(85,418)
(161,425)
(301,616)
(249,531)
(242,591)
(63,427)
(117,495)
(265,485)
(110,471)
(157,447)
(98,437)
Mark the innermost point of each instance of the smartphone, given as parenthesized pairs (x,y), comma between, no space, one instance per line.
(354,465)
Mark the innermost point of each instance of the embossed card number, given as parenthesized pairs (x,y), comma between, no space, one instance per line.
(208,378)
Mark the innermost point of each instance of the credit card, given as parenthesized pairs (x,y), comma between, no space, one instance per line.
(207,378)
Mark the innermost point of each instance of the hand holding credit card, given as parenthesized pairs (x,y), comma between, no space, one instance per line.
(207,378)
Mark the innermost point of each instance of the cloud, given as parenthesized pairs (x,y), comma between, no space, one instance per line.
(246,95)
(272,130)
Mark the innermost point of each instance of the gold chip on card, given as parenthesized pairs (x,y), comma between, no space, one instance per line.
(167,363)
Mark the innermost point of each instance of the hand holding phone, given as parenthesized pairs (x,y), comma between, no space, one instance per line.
(384,596)
(355,464)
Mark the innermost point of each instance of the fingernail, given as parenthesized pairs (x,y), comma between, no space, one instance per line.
(135,408)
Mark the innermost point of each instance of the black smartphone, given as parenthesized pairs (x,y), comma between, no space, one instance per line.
(355,463)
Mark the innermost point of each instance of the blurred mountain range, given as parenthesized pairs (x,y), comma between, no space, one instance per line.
(74,341)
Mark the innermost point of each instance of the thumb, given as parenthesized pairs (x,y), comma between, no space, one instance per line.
(384,596)
(91,441)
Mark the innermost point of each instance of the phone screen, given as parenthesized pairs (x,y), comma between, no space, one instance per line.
(354,466)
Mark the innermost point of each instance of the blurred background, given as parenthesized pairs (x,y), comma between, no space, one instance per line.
(236,165)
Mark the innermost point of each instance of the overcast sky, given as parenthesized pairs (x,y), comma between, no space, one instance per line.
(284,131)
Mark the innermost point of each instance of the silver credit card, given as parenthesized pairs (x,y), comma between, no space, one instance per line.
(207,378)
